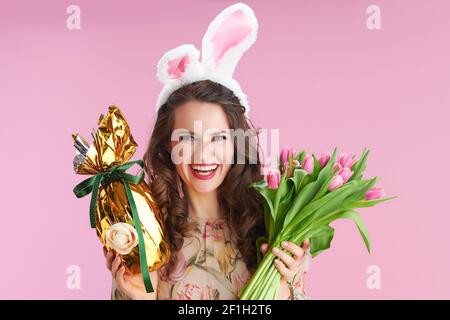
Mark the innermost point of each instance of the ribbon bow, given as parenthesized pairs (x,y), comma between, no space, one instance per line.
(117,172)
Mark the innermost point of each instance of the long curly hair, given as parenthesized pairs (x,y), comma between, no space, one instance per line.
(242,207)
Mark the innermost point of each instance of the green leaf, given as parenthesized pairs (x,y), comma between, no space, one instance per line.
(268,221)
(259,241)
(368,203)
(353,215)
(328,176)
(258,185)
(280,193)
(363,187)
(300,156)
(321,240)
(282,210)
(308,192)
(347,195)
(316,168)
(317,210)
(359,166)
(316,213)
(305,195)
(298,177)
(281,198)
(269,196)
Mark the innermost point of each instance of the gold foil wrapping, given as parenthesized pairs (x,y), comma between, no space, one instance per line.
(113,145)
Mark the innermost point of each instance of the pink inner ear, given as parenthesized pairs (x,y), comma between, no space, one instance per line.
(176,67)
(232,31)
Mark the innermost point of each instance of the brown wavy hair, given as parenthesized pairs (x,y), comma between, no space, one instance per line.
(242,207)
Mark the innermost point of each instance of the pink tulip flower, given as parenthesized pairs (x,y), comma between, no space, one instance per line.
(324,158)
(337,167)
(285,164)
(274,179)
(374,193)
(286,153)
(345,173)
(308,164)
(288,169)
(335,183)
(346,160)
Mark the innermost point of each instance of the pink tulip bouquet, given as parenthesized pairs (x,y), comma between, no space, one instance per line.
(302,197)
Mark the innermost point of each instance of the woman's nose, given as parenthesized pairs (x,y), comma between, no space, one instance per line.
(203,151)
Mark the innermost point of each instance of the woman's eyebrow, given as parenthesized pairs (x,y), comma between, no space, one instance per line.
(181,132)
(213,132)
(189,131)
(221,131)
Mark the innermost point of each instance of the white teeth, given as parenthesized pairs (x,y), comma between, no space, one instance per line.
(205,173)
(204,168)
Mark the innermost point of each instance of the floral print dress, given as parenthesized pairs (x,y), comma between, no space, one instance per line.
(208,267)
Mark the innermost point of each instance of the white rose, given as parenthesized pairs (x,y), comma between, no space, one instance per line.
(122,237)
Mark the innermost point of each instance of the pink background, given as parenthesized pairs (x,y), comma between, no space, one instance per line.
(316,72)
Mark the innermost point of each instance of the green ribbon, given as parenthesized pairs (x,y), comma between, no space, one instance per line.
(113,174)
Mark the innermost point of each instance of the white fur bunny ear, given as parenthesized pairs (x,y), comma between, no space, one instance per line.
(178,63)
(228,36)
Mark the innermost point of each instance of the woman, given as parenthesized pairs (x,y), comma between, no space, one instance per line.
(198,178)
(212,222)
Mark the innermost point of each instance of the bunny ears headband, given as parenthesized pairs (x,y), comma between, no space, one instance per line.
(228,36)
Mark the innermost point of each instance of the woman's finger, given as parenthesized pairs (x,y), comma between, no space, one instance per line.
(285,272)
(109,259)
(306,245)
(115,266)
(120,279)
(263,248)
(294,249)
(288,260)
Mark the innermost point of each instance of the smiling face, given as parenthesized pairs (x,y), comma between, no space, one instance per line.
(201,145)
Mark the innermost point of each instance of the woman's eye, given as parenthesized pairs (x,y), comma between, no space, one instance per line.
(219,138)
(187,138)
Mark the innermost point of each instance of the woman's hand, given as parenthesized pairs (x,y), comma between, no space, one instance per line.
(130,285)
(289,265)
